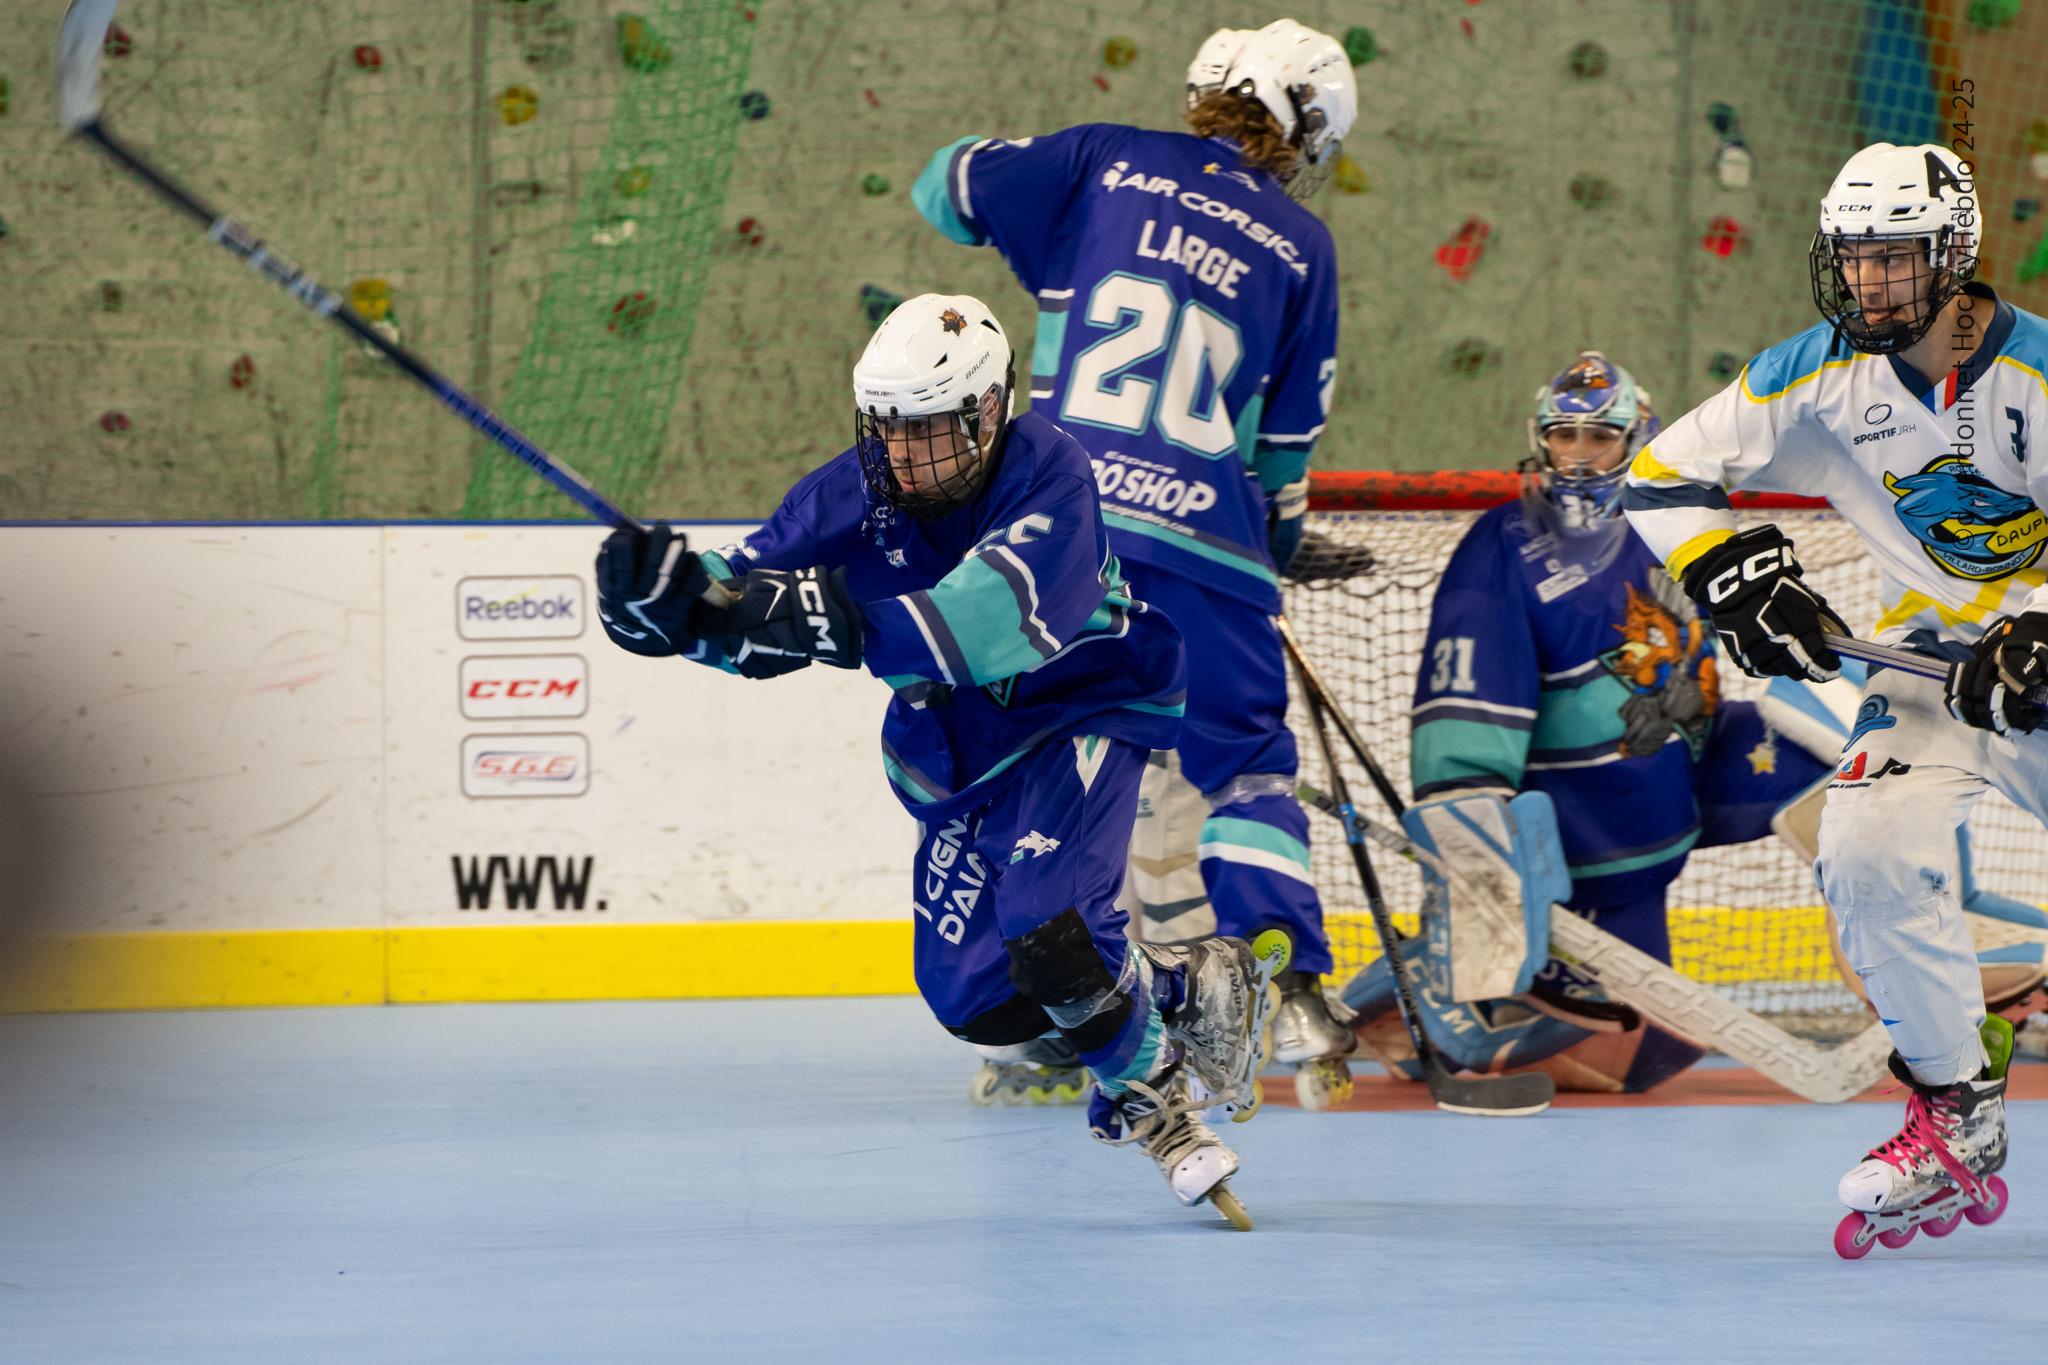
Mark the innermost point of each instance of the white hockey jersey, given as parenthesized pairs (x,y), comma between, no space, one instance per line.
(1944,482)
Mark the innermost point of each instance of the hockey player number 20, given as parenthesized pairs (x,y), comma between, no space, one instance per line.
(1200,344)
(1451,665)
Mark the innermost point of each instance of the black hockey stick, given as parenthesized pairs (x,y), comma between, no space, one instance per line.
(1492,1096)
(78,98)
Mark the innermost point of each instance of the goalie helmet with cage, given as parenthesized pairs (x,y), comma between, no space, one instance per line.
(1299,75)
(1897,241)
(932,403)
(1573,469)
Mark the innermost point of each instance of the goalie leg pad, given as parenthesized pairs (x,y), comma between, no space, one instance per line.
(1483,1036)
(1506,866)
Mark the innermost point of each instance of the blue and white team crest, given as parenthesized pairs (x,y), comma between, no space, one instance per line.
(1968,525)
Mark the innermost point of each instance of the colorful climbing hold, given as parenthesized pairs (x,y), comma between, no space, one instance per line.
(242,373)
(754,105)
(630,315)
(1119,53)
(1724,236)
(1723,118)
(371,298)
(874,183)
(1349,177)
(118,43)
(518,105)
(639,48)
(1101,83)
(614,229)
(114,420)
(367,57)
(632,182)
(749,232)
(1588,60)
(1590,191)
(1733,164)
(1460,255)
(2023,209)
(111,296)
(1471,357)
(1359,44)
(1993,13)
(877,303)
(1724,365)
(3,97)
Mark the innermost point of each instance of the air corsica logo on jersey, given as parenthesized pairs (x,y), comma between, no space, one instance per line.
(1216,168)
(1968,525)
(1120,176)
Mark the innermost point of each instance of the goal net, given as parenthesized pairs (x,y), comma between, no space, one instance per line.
(1747,918)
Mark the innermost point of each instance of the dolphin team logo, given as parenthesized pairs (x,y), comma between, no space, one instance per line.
(1968,525)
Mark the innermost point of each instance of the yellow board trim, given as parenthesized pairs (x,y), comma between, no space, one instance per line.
(460,963)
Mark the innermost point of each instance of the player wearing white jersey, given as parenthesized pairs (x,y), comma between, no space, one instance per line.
(1914,408)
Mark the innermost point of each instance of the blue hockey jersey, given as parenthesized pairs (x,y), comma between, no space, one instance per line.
(1002,625)
(1187,327)
(1598,688)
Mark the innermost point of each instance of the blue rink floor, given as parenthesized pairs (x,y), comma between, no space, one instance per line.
(805,1180)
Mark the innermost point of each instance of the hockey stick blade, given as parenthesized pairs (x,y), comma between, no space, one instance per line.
(79,40)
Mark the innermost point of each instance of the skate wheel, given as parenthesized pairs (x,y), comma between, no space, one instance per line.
(1985,1214)
(1012,1095)
(1273,948)
(1850,1243)
(1232,1211)
(1896,1237)
(1243,1113)
(982,1089)
(1320,1084)
(1942,1227)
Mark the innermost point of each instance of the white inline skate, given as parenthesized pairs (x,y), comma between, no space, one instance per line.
(1165,1119)
(1309,1037)
(1221,1023)
(1043,1071)
(1941,1168)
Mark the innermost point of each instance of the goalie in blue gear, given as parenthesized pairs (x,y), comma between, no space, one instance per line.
(1562,660)
(958,554)
(1187,338)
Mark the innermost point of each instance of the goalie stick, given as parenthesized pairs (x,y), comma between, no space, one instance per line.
(79,41)
(1501,1096)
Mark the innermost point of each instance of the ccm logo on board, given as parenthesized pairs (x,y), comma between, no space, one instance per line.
(524,686)
(549,608)
(525,765)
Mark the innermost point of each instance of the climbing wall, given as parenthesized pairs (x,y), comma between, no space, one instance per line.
(656,235)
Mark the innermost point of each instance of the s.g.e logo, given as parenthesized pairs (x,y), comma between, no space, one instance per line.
(1968,525)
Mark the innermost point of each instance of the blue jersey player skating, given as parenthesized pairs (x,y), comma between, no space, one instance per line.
(1561,659)
(959,555)
(1187,336)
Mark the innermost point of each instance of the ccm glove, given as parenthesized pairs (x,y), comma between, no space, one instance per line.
(792,614)
(1768,620)
(1284,521)
(1991,688)
(648,585)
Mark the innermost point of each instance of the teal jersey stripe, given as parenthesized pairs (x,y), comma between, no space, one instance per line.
(1252,834)
(1676,848)
(978,606)
(932,197)
(1578,717)
(1244,564)
(1052,338)
(1452,750)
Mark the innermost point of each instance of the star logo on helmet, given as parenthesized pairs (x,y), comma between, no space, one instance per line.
(952,321)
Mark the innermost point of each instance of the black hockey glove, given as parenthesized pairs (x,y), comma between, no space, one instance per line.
(785,614)
(1286,509)
(648,585)
(1767,619)
(1990,688)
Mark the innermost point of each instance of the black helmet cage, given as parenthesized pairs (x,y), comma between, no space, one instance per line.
(972,467)
(1948,264)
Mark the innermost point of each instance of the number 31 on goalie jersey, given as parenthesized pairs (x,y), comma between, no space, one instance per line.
(1451,665)
(1201,344)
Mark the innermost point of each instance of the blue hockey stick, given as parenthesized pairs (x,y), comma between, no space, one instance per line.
(79,41)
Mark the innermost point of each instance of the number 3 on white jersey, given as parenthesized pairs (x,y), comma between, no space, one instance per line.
(1451,660)
(1200,342)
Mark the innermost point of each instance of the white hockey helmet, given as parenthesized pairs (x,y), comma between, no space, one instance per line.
(1924,195)
(936,355)
(1212,59)
(1304,80)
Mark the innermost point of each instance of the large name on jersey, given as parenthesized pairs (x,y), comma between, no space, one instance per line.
(1202,349)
